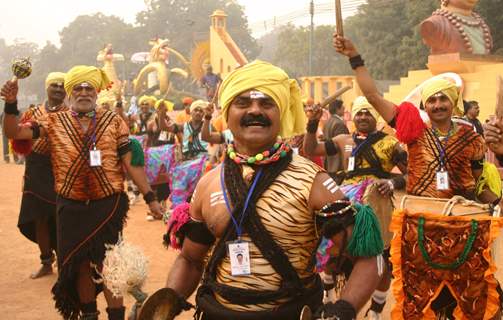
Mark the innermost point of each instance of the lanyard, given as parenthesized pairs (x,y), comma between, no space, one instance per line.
(441,149)
(354,152)
(93,125)
(239,231)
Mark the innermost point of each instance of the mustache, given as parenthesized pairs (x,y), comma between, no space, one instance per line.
(439,109)
(258,119)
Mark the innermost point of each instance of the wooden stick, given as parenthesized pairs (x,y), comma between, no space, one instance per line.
(499,98)
(338,18)
(333,97)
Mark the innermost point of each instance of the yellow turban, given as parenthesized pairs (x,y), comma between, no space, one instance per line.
(446,87)
(169,104)
(151,100)
(361,103)
(54,77)
(198,104)
(272,81)
(106,97)
(96,77)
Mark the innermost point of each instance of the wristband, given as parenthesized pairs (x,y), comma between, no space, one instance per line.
(391,185)
(312,126)
(149,197)
(356,62)
(11,108)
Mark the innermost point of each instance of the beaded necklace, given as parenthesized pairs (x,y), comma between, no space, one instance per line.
(278,150)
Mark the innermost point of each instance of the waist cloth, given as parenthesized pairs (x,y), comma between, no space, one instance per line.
(211,309)
(39,198)
(83,230)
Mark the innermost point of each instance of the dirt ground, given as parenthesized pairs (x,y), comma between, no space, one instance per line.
(22,298)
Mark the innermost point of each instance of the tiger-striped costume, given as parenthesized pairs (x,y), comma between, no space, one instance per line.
(75,179)
(91,204)
(283,209)
(464,146)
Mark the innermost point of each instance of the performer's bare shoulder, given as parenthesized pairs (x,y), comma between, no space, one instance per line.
(208,204)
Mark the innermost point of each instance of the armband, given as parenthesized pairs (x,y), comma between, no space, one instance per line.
(312,126)
(330,147)
(477,164)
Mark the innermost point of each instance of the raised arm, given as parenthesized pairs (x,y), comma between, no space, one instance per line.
(12,128)
(206,133)
(311,145)
(386,109)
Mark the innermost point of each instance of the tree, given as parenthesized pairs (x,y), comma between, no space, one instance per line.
(185,21)
(292,51)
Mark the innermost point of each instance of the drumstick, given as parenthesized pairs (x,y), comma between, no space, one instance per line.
(334,96)
(338,18)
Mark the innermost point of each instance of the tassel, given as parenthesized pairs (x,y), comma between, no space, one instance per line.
(409,125)
(366,240)
(138,158)
(179,218)
(21,147)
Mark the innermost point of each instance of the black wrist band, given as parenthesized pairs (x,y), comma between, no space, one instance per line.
(11,108)
(149,197)
(398,182)
(208,117)
(356,62)
(312,126)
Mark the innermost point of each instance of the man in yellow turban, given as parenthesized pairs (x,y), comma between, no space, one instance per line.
(368,157)
(89,150)
(271,192)
(446,157)
(37,216)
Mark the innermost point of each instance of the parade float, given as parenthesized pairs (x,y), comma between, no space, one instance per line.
(219,51)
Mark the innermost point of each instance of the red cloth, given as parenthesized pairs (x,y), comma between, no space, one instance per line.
(409,125)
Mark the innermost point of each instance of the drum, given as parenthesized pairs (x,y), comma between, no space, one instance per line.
(443,248)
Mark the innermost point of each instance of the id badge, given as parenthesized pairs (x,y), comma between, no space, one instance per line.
(95,158)
(163,136)
(351,163)
(239,255)
(442,180)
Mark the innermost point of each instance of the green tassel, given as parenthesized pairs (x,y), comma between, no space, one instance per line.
(138,159)
(366,240)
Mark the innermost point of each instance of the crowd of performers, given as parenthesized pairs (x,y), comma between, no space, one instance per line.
(264,231)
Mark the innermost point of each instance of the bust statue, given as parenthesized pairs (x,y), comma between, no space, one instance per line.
(456,28)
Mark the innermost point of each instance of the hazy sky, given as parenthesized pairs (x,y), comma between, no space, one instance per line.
(41,20)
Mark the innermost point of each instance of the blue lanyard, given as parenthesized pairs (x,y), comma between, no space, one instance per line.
(354,152)
(441,149)
(93,125)
(239,231)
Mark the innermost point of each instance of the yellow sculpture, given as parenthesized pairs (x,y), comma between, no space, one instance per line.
(157,71)
(108,58)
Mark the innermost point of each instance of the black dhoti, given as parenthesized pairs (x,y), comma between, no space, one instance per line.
(39,198)
(83,230)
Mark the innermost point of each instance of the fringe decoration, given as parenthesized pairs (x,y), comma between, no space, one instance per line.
(64,290)
(138,158)
(366,240)
(177,220)
(409,125)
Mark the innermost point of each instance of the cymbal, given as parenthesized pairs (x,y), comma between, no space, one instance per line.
(162,305)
